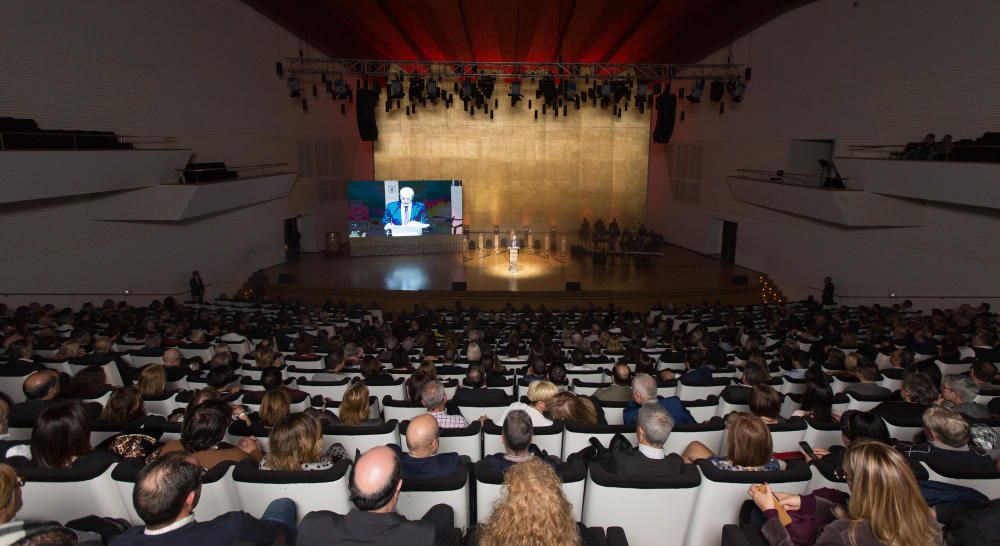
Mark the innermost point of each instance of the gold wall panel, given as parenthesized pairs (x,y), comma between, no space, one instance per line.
(517,170)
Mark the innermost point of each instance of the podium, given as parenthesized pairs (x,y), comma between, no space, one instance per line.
(405,231)
(512,252)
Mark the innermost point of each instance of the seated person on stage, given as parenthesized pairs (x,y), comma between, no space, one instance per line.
(644,390)
(404,211)
(423,460)
(620,389)
(947,447)
(434,399)
(653,428)
(375,483)
(516,437)
(166,494)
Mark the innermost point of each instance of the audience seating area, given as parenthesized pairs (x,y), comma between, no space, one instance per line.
(24,134)
(689,508)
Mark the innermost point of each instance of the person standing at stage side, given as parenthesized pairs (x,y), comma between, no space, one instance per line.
(614,231)
(828,291)
(584,232)
(197,287)
(404,211)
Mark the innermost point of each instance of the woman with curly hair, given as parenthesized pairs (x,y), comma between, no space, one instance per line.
(533,510)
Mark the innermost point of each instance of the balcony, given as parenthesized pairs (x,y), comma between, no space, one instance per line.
(972,184)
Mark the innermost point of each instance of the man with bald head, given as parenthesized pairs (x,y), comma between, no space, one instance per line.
(42,390)
(423,460)
(375,482)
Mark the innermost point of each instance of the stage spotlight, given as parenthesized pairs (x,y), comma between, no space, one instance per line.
(548,88)
(416,88)
(697,92)
(570,90)
(294,89)
(341,90)
(486,84)
(621,91)
(466,92)
(433,91)
(716,90)
(736,90)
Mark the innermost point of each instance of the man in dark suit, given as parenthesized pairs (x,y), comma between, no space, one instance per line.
(165,497)
(21,361)
(654,425)
(404,211)
(516,438)
(42,390)
(475,390)
(644,390)
(423,460)
(918,393)
(375,483)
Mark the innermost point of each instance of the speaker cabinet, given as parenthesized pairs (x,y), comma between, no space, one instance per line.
(459,286)
(666,108)
(364,107)
(572,286)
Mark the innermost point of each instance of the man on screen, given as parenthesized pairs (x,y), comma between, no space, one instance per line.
(404,211)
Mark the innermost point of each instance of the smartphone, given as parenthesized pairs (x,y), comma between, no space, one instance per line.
(808,450)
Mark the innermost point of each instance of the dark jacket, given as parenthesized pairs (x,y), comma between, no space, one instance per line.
(229,528)
(672,404)
(390,529)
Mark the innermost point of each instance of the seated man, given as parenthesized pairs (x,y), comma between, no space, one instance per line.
(947,446)
(753,373)
(375,483)
(653,427)
(516,437)
(918,393)
(644,390)
(423,460)
(475,390)
(22,362)
(959,393)
(699,371)
(42,390)
(868,377)
(620,389)
(596,356)
(984,374)
(433,397)
(165,496)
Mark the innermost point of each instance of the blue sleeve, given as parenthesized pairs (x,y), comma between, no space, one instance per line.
(387,217)
(630,413)
(422,217)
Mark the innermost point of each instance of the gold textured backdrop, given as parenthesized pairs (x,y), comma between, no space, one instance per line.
(517,170)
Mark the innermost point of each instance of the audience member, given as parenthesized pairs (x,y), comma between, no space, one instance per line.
(61,439)
(434,399)
(540,393)
(765,403)
(375,483)
(947,447)
(354,407)
(296,443)
(868,376)
(644,390)
(202,433)
(748,446)
(570,408)
(423,459)
(959,393)
(918,393)
(516,437)
(620,389)
(20,532)
(653,427)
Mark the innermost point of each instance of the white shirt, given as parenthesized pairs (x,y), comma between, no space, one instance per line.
(172,527)
(652,452)
(537,419)
(406,214)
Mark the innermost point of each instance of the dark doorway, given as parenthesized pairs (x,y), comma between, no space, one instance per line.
(728,252)
(293,240)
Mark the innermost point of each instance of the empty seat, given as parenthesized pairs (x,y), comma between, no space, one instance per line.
(401,410)
(722,493)
(161,405)
(396,390)
(310,489)
(586,388)
(12,386)
(464,441)
(708,433)
(613,411)
(653,511)
(702,410)
(334,390)
(702,392)
(822,435)
(418,495)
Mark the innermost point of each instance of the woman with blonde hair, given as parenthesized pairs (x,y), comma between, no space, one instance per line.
(532,510)
(354,406)
(885,508)
(267,357)
(70,349)
(296,443)
(152,381)
(540,393)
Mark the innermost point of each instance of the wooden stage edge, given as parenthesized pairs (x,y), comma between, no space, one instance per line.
(397,283)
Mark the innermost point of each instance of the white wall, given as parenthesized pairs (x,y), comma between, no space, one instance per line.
(887,72)
(201,71)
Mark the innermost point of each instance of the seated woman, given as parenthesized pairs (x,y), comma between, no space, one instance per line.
(354,409)
(20,532)
(152,382)
(69,349)
(61,439)
(296,443)
(885,506)
(373,374)
(817,400)
(274,406)
(748,446)
(88,384)
(570,408)
(400,361)
(854,426)
(124,409)
(415,385)
(540,393)
(266,358)
(765,403)
(202,433)
(272,379)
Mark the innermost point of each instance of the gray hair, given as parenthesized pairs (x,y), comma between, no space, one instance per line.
(432,395)
(964,387)
(645,386)
(656,423)
(518,431)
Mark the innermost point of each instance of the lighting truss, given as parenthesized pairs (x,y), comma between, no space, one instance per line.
(455,69)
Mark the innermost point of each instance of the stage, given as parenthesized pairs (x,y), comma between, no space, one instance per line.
(396,282)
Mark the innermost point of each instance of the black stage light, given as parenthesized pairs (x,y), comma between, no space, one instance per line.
(486,84)
(294,90)
(697,92)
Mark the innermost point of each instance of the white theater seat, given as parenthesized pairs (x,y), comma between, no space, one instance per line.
(401,410)
(709,434)
(548,439)
(361,438)
(312,490)
(63,495)
(987,485)
(420,495)
(464,441)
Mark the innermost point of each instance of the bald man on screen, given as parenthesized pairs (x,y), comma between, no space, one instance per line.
(404,211)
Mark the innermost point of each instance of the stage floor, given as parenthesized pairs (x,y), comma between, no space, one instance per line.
(679,275)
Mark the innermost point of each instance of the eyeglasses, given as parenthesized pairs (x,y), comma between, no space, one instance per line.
(20,481)
(840,474)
